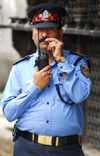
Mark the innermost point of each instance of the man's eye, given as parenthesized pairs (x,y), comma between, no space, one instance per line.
(40,29)
(51,28)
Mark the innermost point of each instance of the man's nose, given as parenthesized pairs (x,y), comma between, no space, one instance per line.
(45,33)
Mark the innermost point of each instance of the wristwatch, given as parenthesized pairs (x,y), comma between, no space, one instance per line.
(62,59)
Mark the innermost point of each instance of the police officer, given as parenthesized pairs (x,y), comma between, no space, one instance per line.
(47,103)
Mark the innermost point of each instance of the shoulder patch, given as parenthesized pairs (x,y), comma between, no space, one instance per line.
(85,70)
(24,58)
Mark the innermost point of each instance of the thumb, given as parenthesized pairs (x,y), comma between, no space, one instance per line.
(36,70)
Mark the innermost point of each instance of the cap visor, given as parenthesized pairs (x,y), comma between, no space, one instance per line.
(40,25)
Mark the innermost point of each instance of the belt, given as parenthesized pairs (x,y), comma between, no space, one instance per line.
(50,140)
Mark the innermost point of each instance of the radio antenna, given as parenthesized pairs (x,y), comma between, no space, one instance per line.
(38,43)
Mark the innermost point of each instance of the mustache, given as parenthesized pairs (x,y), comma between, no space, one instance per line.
(42,39)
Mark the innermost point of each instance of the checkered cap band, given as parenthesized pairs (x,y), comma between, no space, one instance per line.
(51,17)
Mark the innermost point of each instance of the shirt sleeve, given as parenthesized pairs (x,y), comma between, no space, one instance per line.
(14,102)
(76,85)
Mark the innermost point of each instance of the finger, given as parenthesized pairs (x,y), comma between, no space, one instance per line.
(45,68)
(48,72)
(52,45)
(53,42)
(50,75)
(51,39)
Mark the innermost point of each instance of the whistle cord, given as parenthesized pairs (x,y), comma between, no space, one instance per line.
(58,90)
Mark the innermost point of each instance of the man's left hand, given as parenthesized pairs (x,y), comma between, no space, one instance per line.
(56,46)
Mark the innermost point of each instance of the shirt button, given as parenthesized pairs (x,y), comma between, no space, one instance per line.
(47,103)
(48,85)
(61,67)
(47,121)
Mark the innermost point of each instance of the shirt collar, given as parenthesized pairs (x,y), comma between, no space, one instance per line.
(34,58)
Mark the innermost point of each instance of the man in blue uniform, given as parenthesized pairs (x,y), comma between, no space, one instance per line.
(47,104)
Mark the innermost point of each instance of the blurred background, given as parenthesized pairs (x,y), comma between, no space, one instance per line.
(81,34)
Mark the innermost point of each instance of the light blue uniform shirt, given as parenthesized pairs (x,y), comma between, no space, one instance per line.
(42,111)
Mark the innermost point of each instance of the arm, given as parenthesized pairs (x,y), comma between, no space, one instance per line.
(14,101)
(76,85)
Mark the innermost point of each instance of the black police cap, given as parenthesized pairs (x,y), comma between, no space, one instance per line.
(47,15)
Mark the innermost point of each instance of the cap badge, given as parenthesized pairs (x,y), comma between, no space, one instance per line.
(45,14)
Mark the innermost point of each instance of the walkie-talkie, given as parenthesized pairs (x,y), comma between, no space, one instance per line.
(42,59)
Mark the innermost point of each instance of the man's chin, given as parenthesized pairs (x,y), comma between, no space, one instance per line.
(45,50)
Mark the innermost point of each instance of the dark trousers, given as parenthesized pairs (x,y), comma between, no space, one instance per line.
(24,147)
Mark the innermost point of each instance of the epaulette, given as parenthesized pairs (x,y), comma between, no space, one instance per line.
(78,53)
(80,57)
(24,58)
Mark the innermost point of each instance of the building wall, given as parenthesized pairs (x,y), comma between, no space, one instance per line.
(8,54)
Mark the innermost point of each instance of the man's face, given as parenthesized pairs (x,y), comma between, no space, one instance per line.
(49,32)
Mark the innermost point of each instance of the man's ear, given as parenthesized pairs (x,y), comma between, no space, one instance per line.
(60,34)
(32,35)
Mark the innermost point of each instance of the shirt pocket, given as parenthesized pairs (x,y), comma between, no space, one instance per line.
(63,93)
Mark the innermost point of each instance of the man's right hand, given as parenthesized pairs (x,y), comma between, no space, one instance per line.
(42,77)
